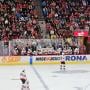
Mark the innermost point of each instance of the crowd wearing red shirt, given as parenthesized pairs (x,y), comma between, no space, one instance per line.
(19,20)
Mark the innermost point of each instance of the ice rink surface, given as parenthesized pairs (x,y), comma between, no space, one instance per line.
(46,77)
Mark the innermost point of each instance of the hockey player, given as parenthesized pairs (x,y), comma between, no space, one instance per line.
(62,62)
(25,86)
(23,77)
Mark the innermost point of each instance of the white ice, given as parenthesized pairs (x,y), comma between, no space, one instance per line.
(46,77)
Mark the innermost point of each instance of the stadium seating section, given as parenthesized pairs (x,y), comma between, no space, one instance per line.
(20,20)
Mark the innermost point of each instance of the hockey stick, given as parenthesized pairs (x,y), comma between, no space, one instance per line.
(15,79)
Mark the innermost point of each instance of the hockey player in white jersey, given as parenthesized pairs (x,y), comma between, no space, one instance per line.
(23,77)
(62,62)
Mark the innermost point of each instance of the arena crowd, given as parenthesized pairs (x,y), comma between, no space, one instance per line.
(19,19)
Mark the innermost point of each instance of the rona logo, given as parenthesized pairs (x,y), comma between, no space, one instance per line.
(75,58)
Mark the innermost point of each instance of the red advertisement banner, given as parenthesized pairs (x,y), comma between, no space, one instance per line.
(81,33)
